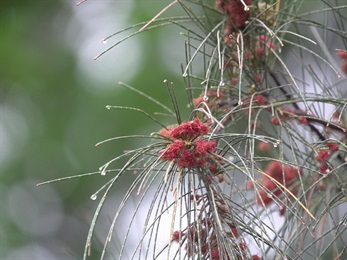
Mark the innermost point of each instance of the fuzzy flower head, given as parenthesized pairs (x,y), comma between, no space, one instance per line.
(186,146)
(187,131)
(236,11)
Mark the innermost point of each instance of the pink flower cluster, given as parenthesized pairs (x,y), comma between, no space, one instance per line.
(284,174)
(235,10)
(186,148)
(324,155)
(343,55)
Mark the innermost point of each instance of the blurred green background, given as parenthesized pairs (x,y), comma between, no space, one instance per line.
(53,98)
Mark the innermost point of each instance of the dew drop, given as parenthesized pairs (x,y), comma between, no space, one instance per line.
(103,172)
(240,102)
(275,145)
(93,197)
(184,75)
(205,98)
(104,41)
(231,158)
(246,8)
(309,112)
(108,107)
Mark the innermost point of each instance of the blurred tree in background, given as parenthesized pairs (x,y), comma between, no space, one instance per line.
(53,98)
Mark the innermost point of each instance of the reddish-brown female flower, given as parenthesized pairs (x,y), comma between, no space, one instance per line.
(322,155)
(236,12)
(333,146)
(186,146)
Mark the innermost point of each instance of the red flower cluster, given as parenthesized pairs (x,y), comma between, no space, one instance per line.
(285,177)
(236,12)
(186,131)
(324,155)
(263,44)
(185,147)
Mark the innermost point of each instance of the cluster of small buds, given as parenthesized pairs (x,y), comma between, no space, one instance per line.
(193,236)
(257,45)
(343,55)
(324,155)
(186,146)
(237,15)
(201,236)
(256,50)
(263,46)
(283,174)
